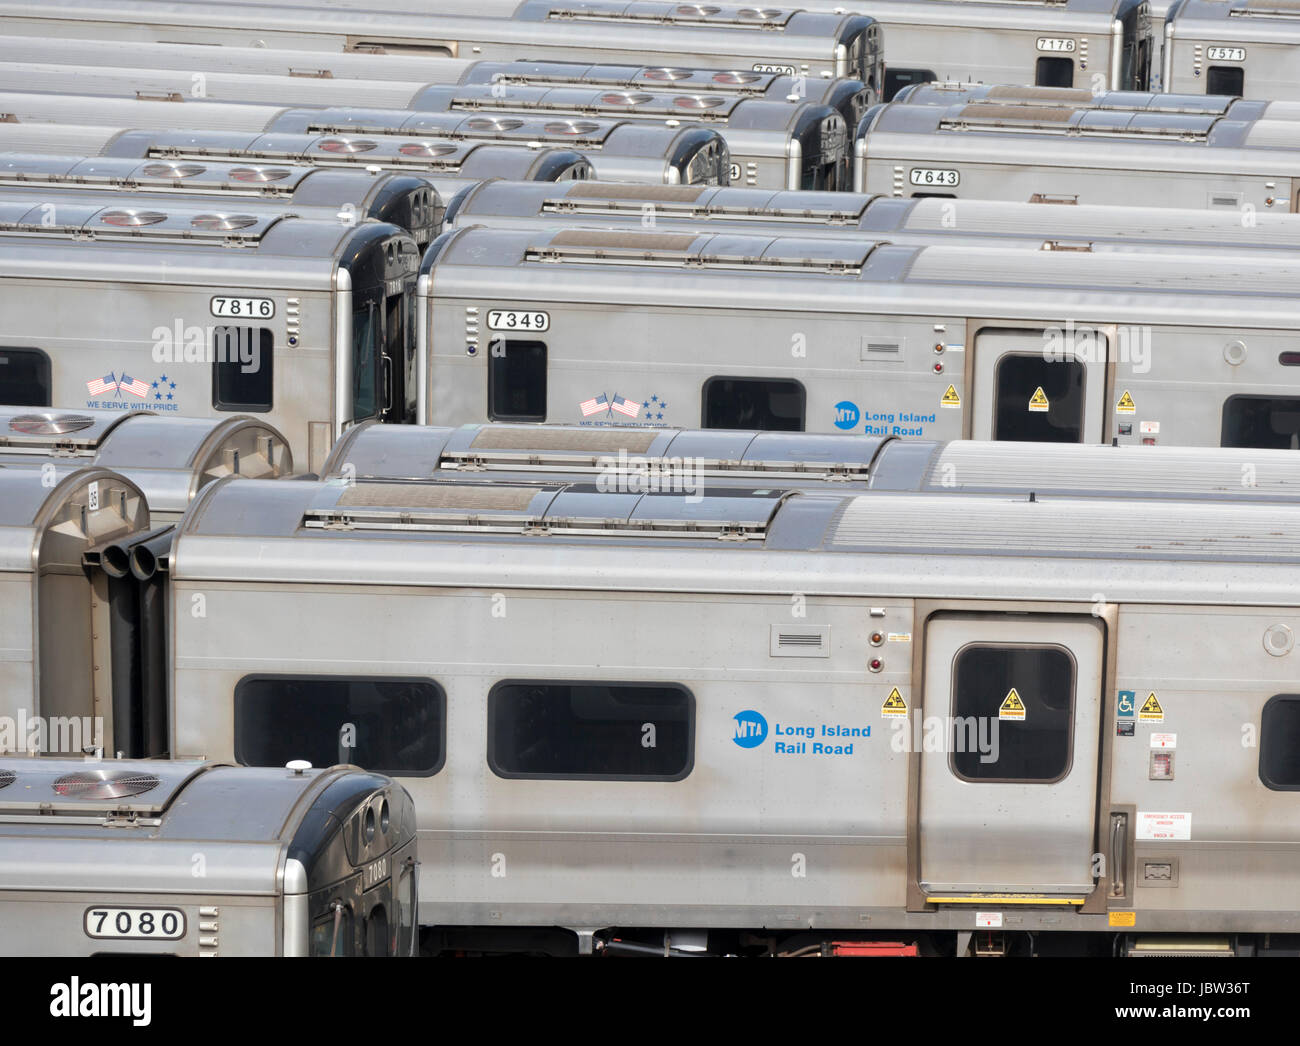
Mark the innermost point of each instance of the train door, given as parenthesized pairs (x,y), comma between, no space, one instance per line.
(1007,810)
(1039,385)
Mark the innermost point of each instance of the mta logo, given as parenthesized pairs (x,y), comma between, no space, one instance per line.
(751,729)
(846,414)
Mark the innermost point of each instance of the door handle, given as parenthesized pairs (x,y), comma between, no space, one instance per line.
(1119,855)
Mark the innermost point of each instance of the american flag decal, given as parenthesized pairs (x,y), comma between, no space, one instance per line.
(101,385)
(626,407)
(594,405)
(134,386)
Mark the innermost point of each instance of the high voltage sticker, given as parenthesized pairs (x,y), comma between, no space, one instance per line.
(950,398)
(1012,707)
(894,704)
(1038,401)
(1151,711)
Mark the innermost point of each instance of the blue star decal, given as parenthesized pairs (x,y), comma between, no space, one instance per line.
(157,395)
(659,416)
(155,384)
(170,396)
(171,385)
(163,378)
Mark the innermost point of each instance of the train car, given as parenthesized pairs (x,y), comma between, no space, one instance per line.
(1079,154)
(699,461)
(443,147)
(573,325)
(774,144)
(168,458)
(761,661)
(99,859)
(848,96)
(409,202)
(57,626)
(1243,47)
(785,41)
(308,324)
(851,216)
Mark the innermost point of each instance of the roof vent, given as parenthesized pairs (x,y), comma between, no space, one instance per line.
(259,174)
(49,424)
(734,78)
(667,74)
(7,778)
(173,170)
(104,784)
(493,123)
(695,101)
(696,10)
(426,149)
(347,145)
(572,127)
(626,98)
(223,222)
(758,14)
(131,219)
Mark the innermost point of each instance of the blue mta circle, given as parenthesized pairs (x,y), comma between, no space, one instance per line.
(846,414)
(751,729)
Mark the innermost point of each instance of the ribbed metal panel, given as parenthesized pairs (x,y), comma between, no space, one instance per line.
(607,191)
(975,466)
(1000,526)
(541,438)
(426,496)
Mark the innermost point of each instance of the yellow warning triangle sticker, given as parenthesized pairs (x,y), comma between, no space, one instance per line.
(950,398)
(1125,404)
(1038,401)
(1151,711)
(894,704)
(1012,707)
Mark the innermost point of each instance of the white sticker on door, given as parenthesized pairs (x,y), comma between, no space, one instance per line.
(1164,826)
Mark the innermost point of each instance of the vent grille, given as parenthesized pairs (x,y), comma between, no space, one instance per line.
(49,424)
(800,641)
(7,777)
(132,219)
(347,145)
(573,127)
(259,174)
(104,784)
(527,438)
(427,149)
(423,496)
(496,123)
(223,222)
(173,170)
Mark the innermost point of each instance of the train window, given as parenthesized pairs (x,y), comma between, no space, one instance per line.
(1225,79)
(25,378)
(754,403)
(1034,748)
(390,725)
(1279,743)
(365,362)
(331,934)
(1267,422)
(242,368)
(517,381)
(897,79)
(1054,72)
(1019,377)
(605,731)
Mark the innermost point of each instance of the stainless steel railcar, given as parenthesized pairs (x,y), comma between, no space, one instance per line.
(700,461)
(348,196)
(100,859)
(1081,154)
(440,146)
(168,458)
(791,654)
(852,216)
(201,313)
(790,41)
(1070,41)
(846,95)
(775,144)
(573,325)
(1244,47)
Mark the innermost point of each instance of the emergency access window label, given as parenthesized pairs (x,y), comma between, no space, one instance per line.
(1164,825)
(1225,54)
(515,320)
(135,924)
(243,308)
(934,176)
(1056,44)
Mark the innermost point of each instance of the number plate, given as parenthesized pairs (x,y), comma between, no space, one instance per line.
(779,70)
(135,924)
(243,308)
(1056,44)
(517,320)
(733,173)
(1225,54)
(935,176)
